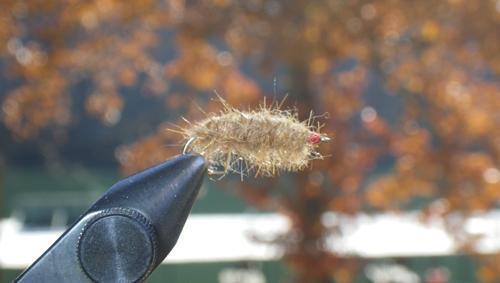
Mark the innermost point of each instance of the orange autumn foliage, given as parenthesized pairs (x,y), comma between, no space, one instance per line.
(438,63)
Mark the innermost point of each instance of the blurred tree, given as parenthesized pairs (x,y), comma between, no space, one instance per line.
(438,63)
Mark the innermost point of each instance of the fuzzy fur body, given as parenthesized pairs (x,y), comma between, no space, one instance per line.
(266,141)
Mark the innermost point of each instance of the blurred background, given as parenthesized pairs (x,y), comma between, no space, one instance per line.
(409,192)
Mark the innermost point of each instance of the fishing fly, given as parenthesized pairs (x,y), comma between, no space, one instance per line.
(265,141)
